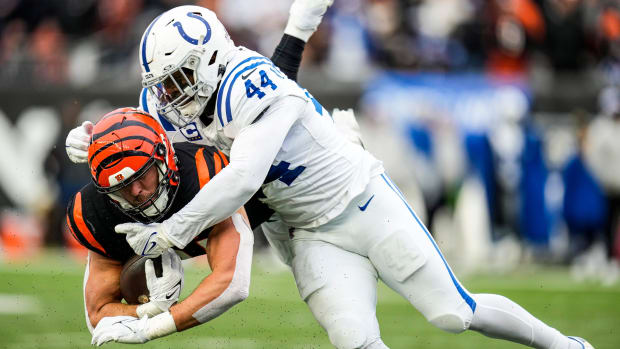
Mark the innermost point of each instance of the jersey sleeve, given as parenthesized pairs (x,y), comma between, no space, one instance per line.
(197,165)
(248,89)
(79,227)
(209,162)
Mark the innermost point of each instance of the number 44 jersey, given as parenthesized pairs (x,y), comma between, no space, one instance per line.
(317,171)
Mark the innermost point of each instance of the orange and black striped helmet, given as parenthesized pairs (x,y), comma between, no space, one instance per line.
(125,144)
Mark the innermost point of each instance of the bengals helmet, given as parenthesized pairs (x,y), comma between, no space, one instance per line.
(125,144)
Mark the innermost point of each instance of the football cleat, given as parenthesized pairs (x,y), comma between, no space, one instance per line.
(584,343)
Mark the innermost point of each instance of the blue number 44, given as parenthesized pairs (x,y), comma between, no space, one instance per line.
(251,90)
(283,173)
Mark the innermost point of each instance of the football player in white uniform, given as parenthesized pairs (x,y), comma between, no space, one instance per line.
(347,222)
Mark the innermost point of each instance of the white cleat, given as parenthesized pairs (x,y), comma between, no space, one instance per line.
(305,17)
(584,343)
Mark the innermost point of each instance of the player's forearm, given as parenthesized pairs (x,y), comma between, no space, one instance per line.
(111,309)
(227,285)
(211,287)
(218,199)
(287,55)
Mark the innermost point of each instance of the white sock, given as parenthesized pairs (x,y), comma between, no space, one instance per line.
(499,317)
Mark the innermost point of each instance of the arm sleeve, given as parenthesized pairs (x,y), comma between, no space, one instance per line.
(239,287)
(287,55)
(252,154)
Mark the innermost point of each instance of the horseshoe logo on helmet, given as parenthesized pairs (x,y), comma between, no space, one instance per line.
(189,38)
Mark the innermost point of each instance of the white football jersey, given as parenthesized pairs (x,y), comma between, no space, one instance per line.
(190,133)
(317,171)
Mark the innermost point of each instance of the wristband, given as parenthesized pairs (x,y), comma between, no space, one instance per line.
(160,325)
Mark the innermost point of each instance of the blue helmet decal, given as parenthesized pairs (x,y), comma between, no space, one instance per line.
(189,38)
(143,48)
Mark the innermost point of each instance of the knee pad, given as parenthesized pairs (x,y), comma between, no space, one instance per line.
(455,321)
(397,257)
(347,333)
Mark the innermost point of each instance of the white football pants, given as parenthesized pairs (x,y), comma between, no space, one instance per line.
(336,267)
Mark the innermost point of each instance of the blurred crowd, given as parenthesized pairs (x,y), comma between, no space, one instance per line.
(91,41)
(498,118)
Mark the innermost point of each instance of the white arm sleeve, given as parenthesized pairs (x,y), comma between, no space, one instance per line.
(252,154)
(86,274)
(239,287)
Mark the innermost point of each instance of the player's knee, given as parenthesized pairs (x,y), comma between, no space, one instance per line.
(455,321)
(347,333)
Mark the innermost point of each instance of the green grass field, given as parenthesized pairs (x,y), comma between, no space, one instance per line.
(41,306)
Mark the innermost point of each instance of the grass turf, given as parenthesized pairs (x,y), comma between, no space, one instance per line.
(41,307)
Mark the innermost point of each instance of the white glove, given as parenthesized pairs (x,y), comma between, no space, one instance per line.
(305,17)
(77,142)
(131,330)
(347,125)
(149,240)
(124,329)
(164,291)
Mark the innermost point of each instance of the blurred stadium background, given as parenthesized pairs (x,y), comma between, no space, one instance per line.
(499,119)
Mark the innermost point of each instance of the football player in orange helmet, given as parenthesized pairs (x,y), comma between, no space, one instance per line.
(133,164)
(138,176)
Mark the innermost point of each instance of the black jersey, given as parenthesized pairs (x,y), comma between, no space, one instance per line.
(92,216)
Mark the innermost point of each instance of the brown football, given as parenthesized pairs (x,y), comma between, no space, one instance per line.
(133,279)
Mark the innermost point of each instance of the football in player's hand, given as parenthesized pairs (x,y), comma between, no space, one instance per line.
(133,279)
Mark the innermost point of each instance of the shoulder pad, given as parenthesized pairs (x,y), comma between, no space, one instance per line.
(200,162)
(249,86)
(77,222)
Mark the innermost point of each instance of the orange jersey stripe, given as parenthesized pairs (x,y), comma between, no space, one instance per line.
(79,221)
(202,168)
(218,162)
(224,158)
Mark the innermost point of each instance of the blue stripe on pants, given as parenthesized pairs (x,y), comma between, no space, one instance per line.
(470,301)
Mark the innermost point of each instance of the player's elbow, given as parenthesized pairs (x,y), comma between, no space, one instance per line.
(238,288)
(249,185)
(93,318)
(247,177)
(239,295)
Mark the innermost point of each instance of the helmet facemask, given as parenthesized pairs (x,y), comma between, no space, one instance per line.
(181,94)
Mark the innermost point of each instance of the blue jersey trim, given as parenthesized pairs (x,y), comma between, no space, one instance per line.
(221,91)
(165,123)
(143,49)
(232,83)
(145,106)
(578,341)
(162,120)
(468,299)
